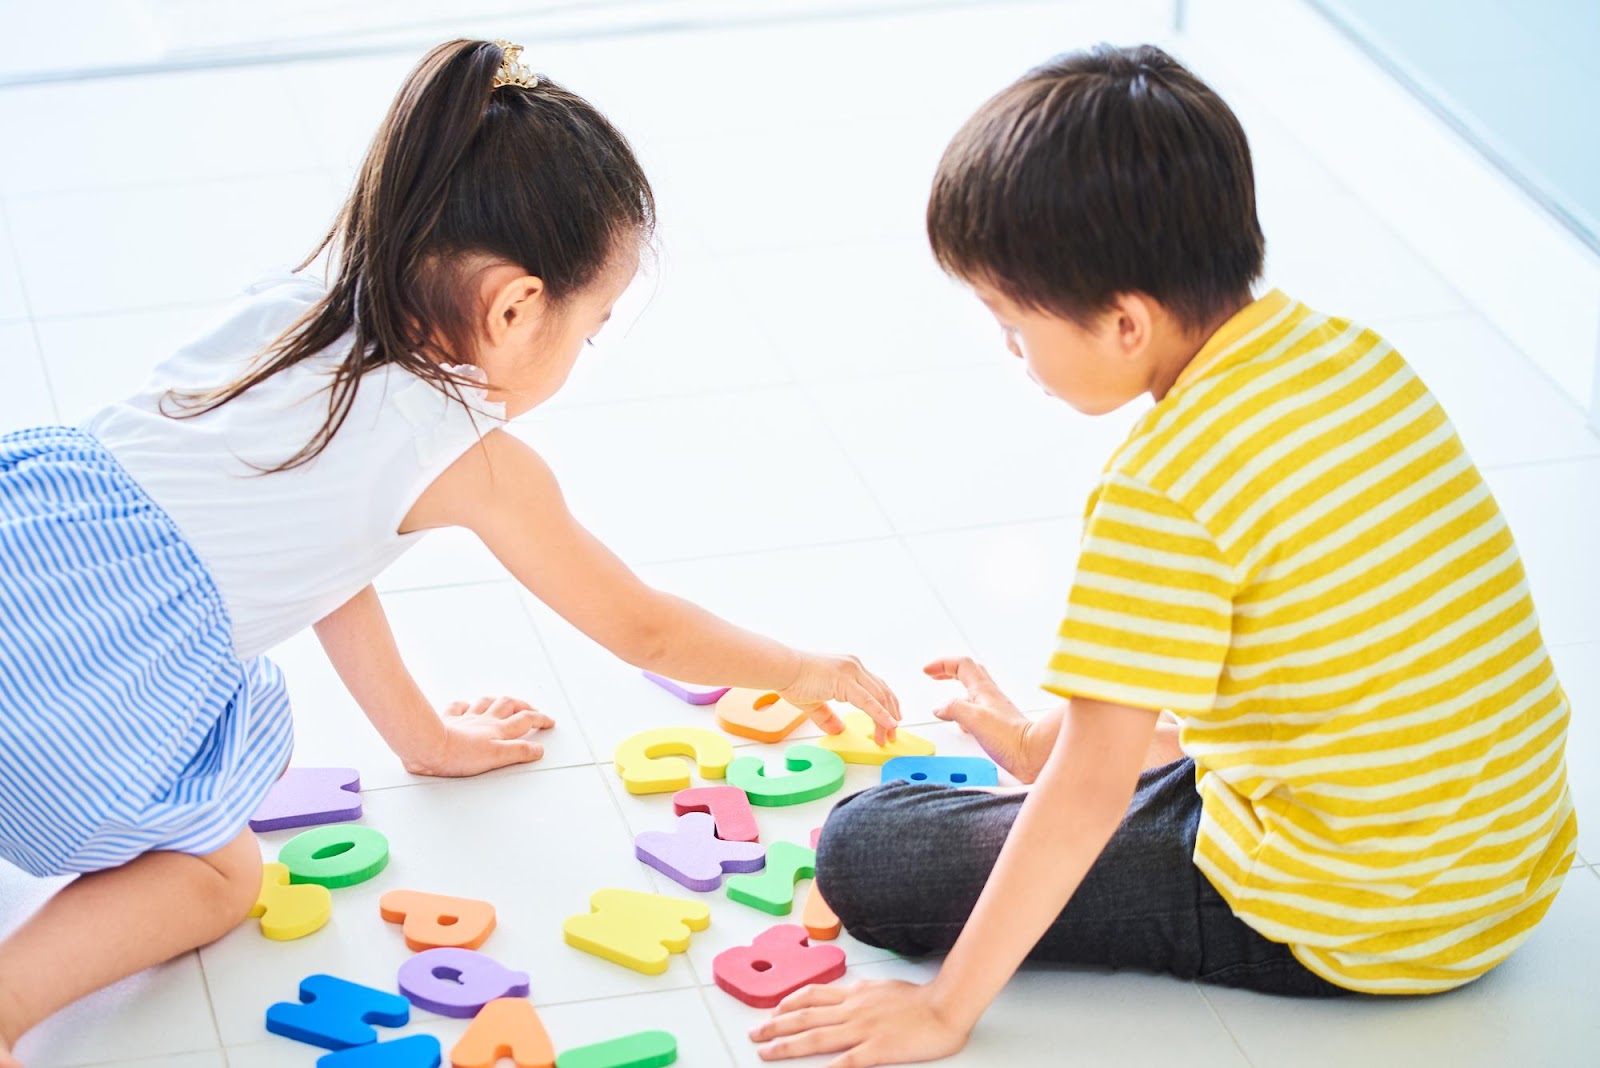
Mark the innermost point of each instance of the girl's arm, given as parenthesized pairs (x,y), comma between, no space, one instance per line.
(507,495)
(1069,815)
(469,739)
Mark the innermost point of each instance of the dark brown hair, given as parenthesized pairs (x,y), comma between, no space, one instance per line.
(535,177)
(1112,170)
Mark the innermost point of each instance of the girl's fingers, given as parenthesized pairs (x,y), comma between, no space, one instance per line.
(519,723)
(857,695)
(455,708)
(480,706)
(880,689)
(501,707)
(860,1057)
(824,716)
(517,751)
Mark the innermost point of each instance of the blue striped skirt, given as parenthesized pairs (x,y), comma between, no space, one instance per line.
(127,722)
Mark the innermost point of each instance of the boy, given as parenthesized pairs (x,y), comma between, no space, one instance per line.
(1361,785)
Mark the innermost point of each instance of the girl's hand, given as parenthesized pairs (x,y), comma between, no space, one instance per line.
(842,678)
(490,733)
(869,1023)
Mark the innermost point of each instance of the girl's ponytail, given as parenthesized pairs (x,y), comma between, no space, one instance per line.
(530,175)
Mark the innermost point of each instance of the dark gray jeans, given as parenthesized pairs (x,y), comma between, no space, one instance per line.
(903,864)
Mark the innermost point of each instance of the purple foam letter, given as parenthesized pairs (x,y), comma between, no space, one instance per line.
(458,982)
(692,855)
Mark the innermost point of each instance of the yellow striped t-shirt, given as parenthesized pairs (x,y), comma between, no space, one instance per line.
(1293,553)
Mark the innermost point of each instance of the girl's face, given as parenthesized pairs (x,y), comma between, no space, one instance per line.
(532,344)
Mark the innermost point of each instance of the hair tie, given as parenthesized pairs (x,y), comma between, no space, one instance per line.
(512,70)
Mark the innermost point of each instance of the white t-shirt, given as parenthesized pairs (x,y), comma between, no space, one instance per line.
(287,548)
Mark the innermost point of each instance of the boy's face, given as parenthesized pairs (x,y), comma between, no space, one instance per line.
(1096,368)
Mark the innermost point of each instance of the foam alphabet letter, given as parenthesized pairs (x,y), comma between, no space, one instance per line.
(945,771)
(646,1049)
(693,856)
(436,921)
(413,1051)
(635,930)
(856,744)
(335,1013)
(818,917)
(813,773)
(775,965)
(683,691)
(506,1027)
(341,855)
(305,797)
(289,912)
(458,982)
(640,760)
(773,889)
(758,714)
(729,807)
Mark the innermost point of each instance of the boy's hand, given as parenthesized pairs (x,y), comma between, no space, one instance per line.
(1012,740)
(842,678)
(869,1023)
(490,733)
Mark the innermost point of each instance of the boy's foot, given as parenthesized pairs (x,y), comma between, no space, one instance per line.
(1012,740)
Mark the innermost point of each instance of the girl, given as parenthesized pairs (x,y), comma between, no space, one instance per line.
(263,478)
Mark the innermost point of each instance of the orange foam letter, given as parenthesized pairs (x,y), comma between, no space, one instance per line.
(435,921)
(506,1027)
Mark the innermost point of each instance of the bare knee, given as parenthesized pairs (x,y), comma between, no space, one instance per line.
(232,882)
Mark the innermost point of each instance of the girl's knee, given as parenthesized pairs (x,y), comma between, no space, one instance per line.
(235,881)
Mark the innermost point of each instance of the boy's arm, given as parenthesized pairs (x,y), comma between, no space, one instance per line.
(507,495)
(468,740)
(1066,820)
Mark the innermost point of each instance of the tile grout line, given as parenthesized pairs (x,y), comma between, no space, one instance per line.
(1522,465)
(211,1001)
(297,107)
(716,1024)
(1243,1056)
(670,561)
(393,40)
(147,184)
(142,309)
(27,306)
(898,537)
(519,593)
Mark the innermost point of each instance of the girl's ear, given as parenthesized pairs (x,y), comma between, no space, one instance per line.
(513,301)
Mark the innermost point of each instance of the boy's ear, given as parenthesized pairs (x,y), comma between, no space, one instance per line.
(514,300)
(1133,319)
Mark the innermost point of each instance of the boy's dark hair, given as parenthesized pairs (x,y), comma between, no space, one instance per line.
(1107,171)
(533,176)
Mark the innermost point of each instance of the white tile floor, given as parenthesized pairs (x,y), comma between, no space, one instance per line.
(804,427)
